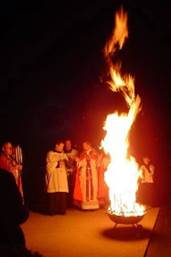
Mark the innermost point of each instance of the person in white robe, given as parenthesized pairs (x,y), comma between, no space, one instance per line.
(56,179)
(146,193)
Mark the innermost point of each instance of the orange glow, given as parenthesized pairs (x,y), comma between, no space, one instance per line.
(123,172)
(120,33)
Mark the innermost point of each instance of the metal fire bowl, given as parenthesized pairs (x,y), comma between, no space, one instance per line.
(118,219)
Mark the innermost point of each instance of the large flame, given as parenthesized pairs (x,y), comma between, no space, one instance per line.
(123,173)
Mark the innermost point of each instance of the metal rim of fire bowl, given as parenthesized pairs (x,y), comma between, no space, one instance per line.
(120,219)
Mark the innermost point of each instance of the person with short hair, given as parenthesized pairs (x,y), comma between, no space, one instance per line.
(8,162)
(71,153)
(147,171)
(56,179)
(146,193)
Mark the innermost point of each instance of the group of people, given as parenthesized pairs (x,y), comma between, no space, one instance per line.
(72,178)
(75,178)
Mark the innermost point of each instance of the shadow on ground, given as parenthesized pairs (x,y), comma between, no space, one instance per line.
(127,233)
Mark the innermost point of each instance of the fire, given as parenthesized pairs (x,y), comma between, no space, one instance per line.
(123,172)
(120,33)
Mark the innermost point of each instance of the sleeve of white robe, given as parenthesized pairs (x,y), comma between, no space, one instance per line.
(56,174)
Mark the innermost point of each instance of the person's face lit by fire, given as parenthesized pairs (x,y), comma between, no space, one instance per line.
(146,160)
(7,148)
(59,147)
(86,146)
(68,145)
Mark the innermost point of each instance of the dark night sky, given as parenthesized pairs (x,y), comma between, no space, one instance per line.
(52,73)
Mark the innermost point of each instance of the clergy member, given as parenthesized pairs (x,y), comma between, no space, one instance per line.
(56,179)
(86,184)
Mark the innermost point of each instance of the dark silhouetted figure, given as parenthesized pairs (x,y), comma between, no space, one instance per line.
(12,214)
(72,154)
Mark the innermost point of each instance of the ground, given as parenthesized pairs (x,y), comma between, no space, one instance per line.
(87,233)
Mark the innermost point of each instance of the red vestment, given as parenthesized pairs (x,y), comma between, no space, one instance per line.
(8,164)
(86,182)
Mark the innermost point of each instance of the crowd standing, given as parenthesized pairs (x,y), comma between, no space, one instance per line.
(73,178)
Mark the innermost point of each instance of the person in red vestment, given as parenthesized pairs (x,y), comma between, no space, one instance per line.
(86,182)
(8,163)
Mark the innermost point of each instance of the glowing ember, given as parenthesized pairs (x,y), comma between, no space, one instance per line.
(123,172)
